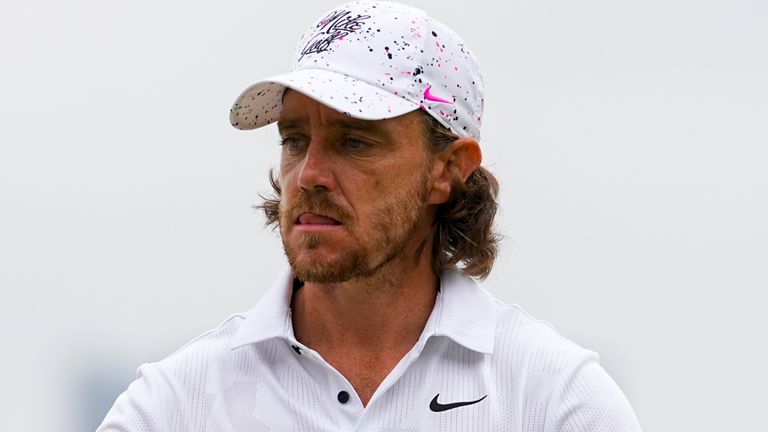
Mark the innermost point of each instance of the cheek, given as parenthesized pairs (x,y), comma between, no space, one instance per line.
(285,167)
(378,190)
(287,176)
(387,182)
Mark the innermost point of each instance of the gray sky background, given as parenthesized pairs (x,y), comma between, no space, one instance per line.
(629,139)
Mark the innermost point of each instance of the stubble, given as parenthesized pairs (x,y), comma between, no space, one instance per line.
(390,235)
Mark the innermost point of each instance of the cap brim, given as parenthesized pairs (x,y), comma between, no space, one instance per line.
(261,103)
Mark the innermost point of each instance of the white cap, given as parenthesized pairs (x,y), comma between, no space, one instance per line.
(375,60)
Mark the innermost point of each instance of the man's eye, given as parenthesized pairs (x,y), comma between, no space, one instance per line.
(292,144)
(354,143)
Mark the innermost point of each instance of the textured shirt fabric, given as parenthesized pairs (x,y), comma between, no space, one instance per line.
(251,374)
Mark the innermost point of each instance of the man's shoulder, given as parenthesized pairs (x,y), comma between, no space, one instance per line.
(555,377)
(217,340)
(524,342)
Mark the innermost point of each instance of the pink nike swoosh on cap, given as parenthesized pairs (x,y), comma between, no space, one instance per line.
(428,96)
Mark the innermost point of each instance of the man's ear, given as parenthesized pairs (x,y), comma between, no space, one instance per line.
(454,164)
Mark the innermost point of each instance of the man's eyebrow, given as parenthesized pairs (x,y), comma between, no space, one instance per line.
(345,123)
(288,124)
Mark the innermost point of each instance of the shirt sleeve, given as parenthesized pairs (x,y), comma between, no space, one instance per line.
(135,409)
(588,400)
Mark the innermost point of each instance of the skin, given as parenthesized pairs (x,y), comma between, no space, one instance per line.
(358,202)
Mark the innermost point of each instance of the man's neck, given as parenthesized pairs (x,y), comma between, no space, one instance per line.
(364,327)
(376,311)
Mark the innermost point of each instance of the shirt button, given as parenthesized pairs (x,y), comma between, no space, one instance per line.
(343,397)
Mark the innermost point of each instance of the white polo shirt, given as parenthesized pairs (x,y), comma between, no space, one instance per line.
(479,365)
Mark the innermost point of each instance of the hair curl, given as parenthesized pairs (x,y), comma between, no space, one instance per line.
(462,234)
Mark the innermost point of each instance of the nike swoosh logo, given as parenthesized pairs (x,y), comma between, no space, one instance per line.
(438,407)
(428,96)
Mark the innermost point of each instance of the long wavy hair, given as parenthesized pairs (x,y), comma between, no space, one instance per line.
(463,235)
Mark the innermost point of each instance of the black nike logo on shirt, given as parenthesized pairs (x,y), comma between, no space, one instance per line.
(438,407)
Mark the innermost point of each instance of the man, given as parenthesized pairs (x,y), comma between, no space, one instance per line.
(385,216)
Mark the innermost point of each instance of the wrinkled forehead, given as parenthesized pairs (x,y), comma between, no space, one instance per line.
(299,110)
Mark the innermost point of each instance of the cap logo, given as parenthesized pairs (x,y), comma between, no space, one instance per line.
(428,96)
(335,26)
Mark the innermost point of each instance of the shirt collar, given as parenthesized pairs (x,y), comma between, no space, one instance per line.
(271,317)
(464,312)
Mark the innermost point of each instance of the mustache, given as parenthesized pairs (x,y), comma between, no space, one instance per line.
(318,203)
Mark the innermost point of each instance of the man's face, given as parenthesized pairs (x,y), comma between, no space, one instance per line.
(353,191)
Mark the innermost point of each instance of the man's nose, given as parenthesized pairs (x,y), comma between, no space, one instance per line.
(317,169)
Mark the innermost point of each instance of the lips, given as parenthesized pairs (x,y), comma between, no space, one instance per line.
(316,219)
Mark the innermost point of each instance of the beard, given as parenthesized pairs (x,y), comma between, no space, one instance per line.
(379,243)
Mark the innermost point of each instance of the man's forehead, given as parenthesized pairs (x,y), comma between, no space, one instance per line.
(300,120)
(298,111)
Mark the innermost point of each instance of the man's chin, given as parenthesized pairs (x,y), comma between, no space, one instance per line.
(321,274)
(310,265)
